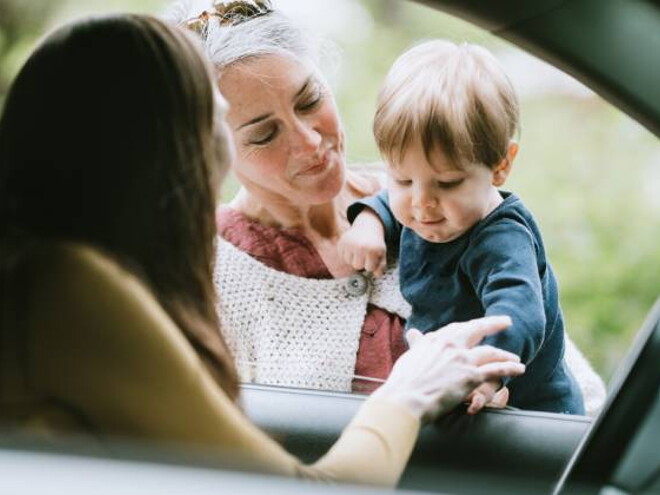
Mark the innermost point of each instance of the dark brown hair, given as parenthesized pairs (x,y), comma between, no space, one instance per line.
(108,137)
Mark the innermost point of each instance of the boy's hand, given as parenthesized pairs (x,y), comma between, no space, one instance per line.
(363,245)
(490,393)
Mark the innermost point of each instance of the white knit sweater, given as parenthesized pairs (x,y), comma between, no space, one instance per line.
(293,331)
(300,332)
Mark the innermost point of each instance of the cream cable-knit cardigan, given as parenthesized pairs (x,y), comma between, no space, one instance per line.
(300,332)
(294,331)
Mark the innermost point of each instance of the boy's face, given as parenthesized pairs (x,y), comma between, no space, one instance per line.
(437,200)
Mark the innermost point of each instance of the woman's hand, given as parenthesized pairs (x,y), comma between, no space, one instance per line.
(363,245)
(442,368)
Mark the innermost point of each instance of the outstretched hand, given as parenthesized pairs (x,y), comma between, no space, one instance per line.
(442,368)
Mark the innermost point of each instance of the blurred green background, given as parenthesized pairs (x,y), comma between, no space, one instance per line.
(589,173)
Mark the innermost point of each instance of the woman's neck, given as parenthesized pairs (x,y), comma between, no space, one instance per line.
(327,220)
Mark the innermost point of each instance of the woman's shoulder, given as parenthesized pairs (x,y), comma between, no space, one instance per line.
(74,282)
(365,179)
(82,298)
(285,250)
(75,263)
(245,233)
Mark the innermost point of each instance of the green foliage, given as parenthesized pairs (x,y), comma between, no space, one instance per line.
(21,24)
(600,218)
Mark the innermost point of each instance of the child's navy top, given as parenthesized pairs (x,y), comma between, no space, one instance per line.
(498,267)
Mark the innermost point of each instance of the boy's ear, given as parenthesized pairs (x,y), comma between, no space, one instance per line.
(502,170)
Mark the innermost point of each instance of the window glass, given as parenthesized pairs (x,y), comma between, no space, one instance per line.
(588,172)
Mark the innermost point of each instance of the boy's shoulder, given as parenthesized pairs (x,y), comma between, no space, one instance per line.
(507,226)
(511,213)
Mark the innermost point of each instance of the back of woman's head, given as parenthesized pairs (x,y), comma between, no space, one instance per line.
(91,138)
(107,138)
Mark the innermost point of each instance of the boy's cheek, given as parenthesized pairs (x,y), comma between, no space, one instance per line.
(399,207)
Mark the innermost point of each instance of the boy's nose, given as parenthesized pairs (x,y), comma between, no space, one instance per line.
(423,198)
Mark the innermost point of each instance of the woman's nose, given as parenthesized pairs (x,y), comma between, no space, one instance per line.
(306,140)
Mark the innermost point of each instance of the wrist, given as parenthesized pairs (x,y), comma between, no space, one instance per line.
(414,405)
(368,218)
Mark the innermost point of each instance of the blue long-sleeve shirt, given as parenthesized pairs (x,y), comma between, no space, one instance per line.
(498,267)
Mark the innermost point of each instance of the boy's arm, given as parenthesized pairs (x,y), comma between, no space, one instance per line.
(381,206)
(503,268)
(362,246)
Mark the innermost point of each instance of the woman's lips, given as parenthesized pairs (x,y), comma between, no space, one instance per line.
(316,167)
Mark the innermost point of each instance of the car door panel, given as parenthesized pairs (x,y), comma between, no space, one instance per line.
(527,445)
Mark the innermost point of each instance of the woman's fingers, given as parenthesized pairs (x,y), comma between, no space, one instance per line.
(470,333)
(483,327)
(499,369)
(485,353)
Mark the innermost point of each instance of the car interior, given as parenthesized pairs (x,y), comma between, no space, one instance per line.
(504,451)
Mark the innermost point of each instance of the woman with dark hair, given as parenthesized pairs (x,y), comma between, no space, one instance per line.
(91,150)
(112,147)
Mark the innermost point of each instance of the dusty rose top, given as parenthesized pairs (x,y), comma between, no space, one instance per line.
(287,250)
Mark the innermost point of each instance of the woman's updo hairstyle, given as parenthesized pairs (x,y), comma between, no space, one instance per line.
(258,30)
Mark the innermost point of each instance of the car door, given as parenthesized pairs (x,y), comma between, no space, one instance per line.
(509,449)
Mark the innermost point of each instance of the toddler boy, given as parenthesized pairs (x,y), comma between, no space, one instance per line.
(446,124)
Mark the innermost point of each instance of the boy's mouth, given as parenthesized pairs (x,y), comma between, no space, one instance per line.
(427,223)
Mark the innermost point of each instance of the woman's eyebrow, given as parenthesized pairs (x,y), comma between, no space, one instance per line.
(258,119)
(255,120)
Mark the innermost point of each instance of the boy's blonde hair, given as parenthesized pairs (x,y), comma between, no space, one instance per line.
(456,97)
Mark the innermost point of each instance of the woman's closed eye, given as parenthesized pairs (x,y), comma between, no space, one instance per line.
(403,182)
(311,100)
(263,136)
(308,102)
